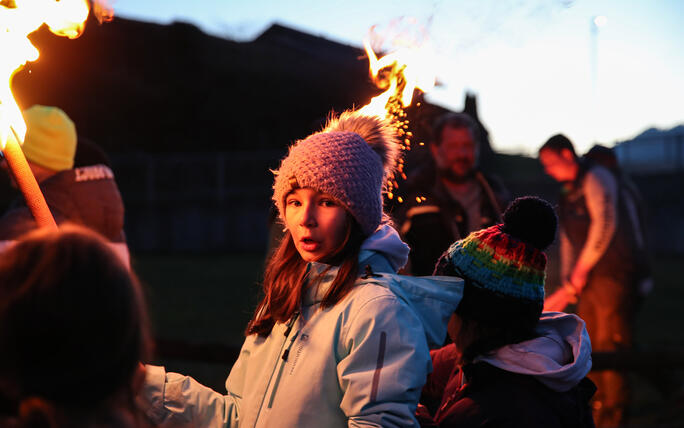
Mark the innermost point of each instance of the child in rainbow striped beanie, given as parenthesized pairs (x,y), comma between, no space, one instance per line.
(504,268)
(509,364)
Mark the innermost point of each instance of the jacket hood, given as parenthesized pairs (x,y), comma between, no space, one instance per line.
(385,241)
(432,298)
(559,357)
(383,251)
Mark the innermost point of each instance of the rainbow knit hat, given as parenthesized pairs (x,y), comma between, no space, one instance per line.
(500,263)
(503,265)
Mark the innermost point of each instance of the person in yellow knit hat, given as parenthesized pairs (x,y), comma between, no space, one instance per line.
(50,142)
(86,195)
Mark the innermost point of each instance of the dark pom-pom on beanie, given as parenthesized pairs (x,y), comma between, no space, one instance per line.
(531,220)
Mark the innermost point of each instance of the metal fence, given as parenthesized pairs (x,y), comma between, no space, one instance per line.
(196,201)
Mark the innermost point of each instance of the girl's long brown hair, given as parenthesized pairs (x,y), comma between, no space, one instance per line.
(285,275)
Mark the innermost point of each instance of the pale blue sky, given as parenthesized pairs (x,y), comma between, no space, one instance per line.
(529,61)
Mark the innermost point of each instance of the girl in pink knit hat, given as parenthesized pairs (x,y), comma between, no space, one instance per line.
(333,342)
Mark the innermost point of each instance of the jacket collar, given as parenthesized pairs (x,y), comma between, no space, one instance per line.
(322,275)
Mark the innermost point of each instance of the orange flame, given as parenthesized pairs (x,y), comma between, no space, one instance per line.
(18,19)
(64,18)
(399,73)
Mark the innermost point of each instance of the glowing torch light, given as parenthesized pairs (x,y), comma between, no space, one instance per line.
(18,19)
(399,74)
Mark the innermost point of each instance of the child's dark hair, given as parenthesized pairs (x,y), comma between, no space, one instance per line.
(491,320)
(73,327)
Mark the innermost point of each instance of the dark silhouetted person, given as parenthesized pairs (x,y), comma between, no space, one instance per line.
(446,201)
(86,195)
(599,263)
(509,365)
(73,329)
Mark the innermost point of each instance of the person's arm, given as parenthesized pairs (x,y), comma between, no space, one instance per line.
(173,400)
(600,193)
(385,366)
(566,256)
(444,361)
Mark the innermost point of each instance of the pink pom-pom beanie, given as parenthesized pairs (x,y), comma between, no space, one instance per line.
(341,163)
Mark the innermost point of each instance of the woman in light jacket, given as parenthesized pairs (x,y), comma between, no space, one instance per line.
(337,339)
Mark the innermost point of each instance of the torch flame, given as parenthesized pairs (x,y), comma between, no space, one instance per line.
(399,73)
(63,17)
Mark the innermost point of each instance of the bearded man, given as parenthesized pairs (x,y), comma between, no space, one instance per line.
(446,202)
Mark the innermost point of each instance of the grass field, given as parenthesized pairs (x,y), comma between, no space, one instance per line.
(210,298)
(200,299)
(207,298)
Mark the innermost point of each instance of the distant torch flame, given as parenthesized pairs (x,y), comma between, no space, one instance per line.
(399,73)
(18,19)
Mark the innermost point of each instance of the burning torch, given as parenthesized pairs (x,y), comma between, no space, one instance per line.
(398,73)
(18,19)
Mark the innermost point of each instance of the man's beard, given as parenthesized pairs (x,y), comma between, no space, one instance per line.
(449,175)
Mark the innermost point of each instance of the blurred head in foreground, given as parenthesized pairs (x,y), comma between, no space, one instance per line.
(73,329)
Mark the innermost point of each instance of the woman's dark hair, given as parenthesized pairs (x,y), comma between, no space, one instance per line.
(73,326)
(557,143)
(490,320)
(285,275)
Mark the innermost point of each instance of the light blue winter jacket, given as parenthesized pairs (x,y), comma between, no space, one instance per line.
(360,363)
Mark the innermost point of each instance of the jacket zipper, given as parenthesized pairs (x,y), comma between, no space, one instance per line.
(284,357)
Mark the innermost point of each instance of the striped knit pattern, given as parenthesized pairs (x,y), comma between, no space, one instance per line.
(496,261)
(341,164)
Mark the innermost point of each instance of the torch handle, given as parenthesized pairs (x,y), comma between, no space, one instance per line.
(28,185)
